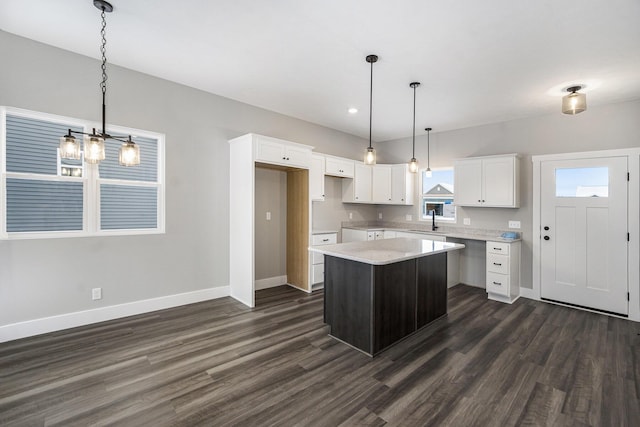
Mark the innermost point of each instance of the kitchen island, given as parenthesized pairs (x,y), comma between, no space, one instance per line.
(378,292)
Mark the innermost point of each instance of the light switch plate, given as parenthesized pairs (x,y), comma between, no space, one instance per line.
(96,293)
(350,215)
(514,224)
(268,216)
(466,221)
(409,217)
(379,215)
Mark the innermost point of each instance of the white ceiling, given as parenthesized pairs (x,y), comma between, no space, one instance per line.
(478,61)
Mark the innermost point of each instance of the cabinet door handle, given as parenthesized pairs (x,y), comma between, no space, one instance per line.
(479,200)
(325,240)
(497,283)
(497,249)
(497,263)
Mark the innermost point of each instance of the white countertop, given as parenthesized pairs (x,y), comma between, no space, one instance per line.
(386,251)
(469,235)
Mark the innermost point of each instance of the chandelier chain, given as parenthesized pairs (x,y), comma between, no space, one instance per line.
(103,50)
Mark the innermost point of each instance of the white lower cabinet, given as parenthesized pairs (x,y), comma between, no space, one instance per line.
(503,271)
(317,268)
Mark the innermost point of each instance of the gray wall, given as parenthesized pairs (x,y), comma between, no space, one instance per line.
(193,254)
(329,214)
(270,235)
(599,128)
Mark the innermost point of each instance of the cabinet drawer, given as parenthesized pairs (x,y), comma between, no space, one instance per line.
(498,283)
(498,248)
(324,239)
(318,273)
(498,263)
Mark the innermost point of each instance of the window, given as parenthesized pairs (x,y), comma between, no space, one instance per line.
(437,194)
(582,182)
(43,195)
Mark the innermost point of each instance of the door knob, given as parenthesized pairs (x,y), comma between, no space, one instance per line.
(546,227)
(546,237)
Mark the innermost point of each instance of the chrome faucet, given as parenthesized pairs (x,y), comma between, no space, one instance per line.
(433,220)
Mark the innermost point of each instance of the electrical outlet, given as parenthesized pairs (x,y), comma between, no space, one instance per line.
(466,221)
(268,216)
(96,293)
(350,215)
(379,215)
(514,224)
(409,217)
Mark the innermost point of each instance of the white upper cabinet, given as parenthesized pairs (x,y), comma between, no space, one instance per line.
(316,178)
(401,185)
(280,152)
(358,189)
(381,184)
(337,166)
(491,181)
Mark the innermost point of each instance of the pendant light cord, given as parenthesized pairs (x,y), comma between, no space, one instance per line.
(428,148)
(413,149)
(103,83)
(370,104)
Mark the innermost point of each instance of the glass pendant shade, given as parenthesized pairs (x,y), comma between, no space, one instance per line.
(93,149)
(129,154)
(413,165)
(428,173)
(574,103)
(370,156)
(69,148)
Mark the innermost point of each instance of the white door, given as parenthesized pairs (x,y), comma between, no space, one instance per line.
(583,218)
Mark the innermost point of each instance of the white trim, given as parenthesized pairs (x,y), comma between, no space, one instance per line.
(269,282)
(633,218)
(45,325)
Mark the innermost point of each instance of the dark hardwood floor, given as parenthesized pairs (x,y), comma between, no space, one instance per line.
(218,363)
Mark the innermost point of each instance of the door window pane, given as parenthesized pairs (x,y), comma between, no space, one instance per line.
(582,182)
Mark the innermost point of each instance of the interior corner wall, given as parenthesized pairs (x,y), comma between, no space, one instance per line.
(270,233)
(193,255)
(605,127)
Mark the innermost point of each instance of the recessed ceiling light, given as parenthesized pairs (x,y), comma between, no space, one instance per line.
(352,110)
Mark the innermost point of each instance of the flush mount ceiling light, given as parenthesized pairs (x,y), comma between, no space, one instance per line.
(428,171)
(352,110)
(94,151)
(370,155)
(574,102)
(413,163)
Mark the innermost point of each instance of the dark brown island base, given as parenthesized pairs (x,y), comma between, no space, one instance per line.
(378,292)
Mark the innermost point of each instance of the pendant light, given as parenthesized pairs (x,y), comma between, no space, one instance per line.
(428,171)
(370,155)
(94,149)
(575,102)
(413,163)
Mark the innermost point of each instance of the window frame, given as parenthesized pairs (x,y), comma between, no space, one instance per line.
(90,179)
(421,197)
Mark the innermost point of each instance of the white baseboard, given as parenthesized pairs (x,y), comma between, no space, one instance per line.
(44,325)
(270,282)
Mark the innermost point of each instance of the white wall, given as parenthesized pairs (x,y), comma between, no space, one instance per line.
(599,128)
(193,254)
